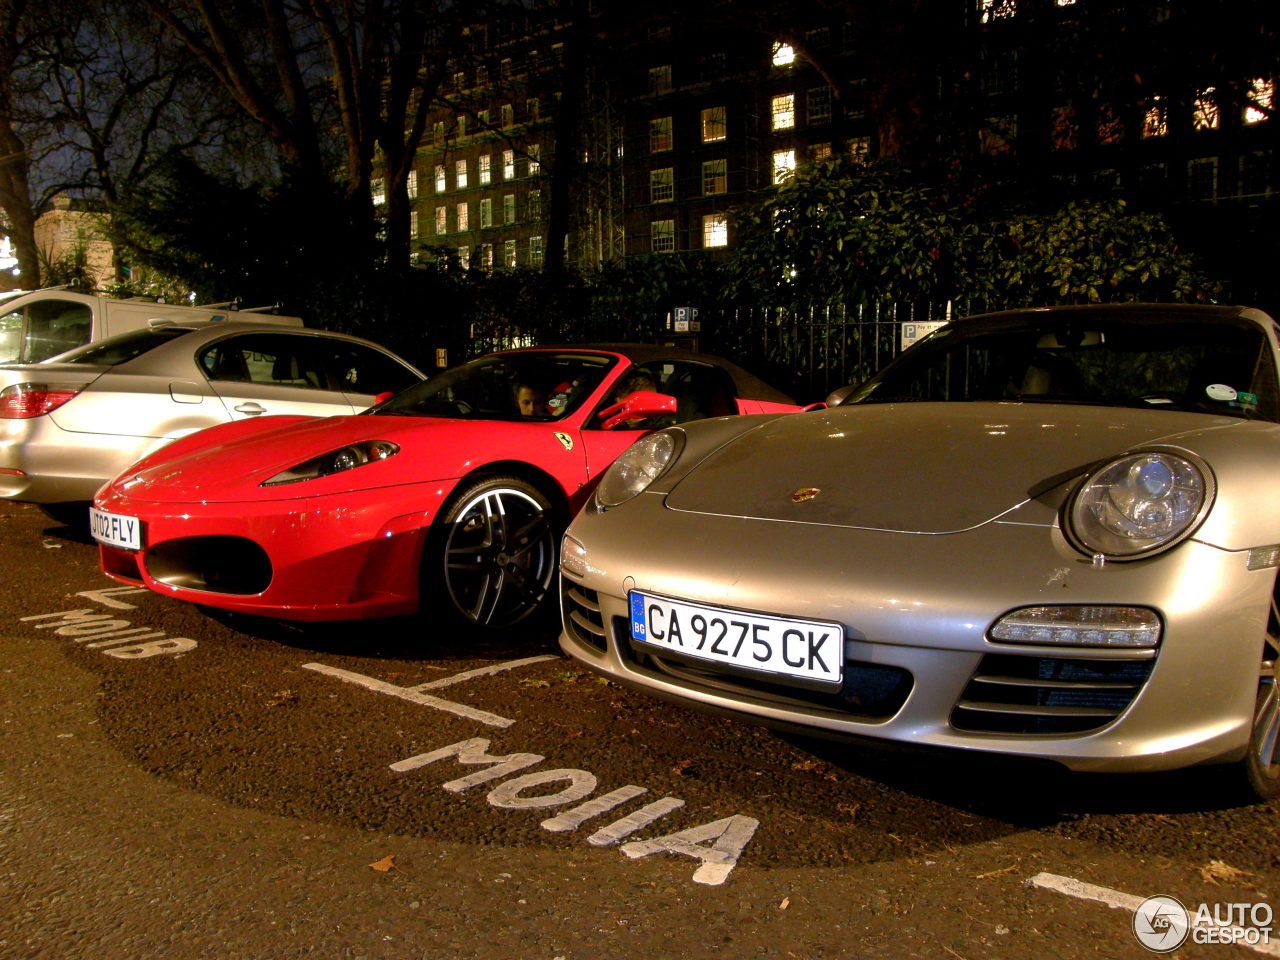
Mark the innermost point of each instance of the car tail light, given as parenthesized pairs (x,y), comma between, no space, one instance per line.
(22,401)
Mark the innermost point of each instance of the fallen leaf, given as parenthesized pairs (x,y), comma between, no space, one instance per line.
(281,697)
(386,863)
(1216,870)
(684,767)
(786,902)
(851,809)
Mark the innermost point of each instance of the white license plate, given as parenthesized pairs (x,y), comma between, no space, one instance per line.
(115,530)
(808,649)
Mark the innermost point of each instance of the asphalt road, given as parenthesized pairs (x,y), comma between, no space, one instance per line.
(179,785)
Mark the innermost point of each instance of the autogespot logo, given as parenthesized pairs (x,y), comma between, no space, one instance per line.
(1161,924)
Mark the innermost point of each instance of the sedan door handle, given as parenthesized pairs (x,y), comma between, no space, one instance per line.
(250,409)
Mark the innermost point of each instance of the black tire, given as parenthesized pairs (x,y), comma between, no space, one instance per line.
(74,513)
(490,564)
(1261,765)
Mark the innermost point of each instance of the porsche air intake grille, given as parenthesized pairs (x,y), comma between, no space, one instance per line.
(870,691)
(1048,695)
(582,617)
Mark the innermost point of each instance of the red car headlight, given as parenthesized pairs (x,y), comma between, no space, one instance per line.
(337,461)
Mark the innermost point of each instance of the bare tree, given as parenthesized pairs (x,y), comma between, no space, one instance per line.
(368,68)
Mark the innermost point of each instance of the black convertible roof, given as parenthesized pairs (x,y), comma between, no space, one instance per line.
(747,385)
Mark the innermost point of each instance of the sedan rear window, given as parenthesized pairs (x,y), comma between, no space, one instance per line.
(121,348)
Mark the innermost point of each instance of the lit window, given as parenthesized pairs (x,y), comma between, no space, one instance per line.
(1204,111)
(411,185)
(996,9)
(715,230)
(413,223)
(820,151)
(507,114)
(509,208)
(535,251)
(442,221)
(1154,121)
(1260,96)
(660,135)
(660,79)
(1202,178)
(486,213)
(1110,127)
(483,171)
(437,132)
(460,174)
(714,124)
(784,55)
(662,185)
(378,191)
(508,164)
(460,122)
(464,258)
(535,159)
(860,149)
(441,184)
(715,178)
(486,256)
(482,118)
(662,236)
(784,164)
(818,105)
(509,253)
(783,109)
(463,222)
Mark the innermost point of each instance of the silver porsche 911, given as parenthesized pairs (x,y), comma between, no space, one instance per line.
(1052,533)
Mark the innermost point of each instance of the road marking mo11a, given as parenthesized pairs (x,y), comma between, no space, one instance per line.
(113,636)
(718,845)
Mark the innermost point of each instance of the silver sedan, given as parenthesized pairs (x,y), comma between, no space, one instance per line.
(70,423)
(1049,533)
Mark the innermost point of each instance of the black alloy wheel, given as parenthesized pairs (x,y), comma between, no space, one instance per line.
(496,560)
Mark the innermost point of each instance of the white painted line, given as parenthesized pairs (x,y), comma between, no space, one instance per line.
(412,695)
(104,596)
(1127,901)
(479,672)
(1086,891)
(629,824)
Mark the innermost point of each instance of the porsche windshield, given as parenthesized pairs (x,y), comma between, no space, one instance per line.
(1149,360)
(533,386)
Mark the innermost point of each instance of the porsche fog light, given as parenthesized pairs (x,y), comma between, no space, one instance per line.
(573,558)
(1139,504)
(1080,626)
(336,461)
(640,464)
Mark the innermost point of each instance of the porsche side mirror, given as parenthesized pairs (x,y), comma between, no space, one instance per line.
(637,406)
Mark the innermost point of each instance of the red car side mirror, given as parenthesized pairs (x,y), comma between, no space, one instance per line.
(637,406)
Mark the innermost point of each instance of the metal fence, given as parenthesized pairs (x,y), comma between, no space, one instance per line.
(805,349)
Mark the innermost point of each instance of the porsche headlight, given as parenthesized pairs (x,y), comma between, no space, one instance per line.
(640,464)
(336,461)
(1140,504)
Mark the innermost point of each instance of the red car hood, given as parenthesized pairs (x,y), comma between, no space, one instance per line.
(229,463)
(918,467)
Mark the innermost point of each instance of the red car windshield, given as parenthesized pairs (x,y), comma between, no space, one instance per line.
(532,386)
